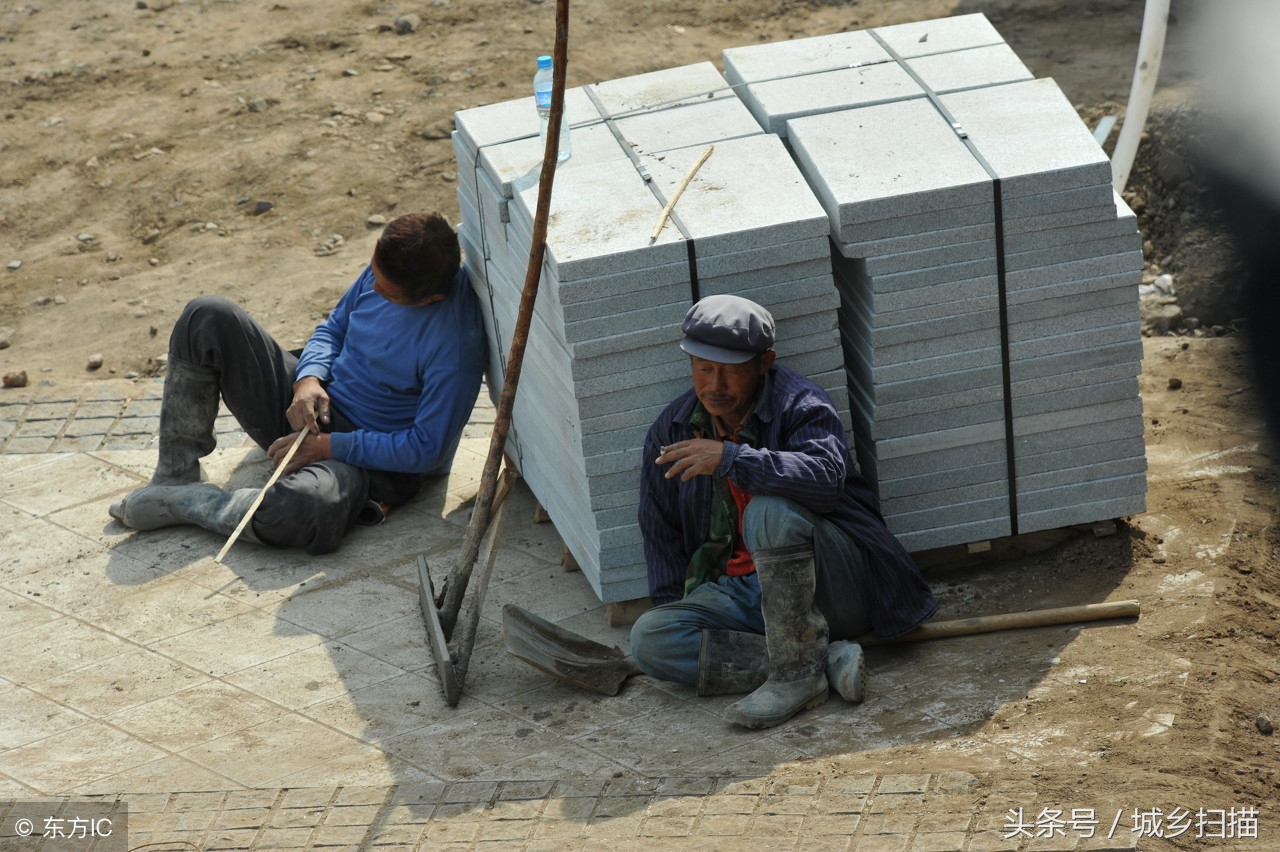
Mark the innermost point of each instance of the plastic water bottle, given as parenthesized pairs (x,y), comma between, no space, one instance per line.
(542,100)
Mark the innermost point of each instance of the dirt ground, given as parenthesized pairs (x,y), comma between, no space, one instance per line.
(154,150)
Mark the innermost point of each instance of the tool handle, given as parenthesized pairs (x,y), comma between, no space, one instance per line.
(1012,621)
(470,622)
(455,585)
(275,474)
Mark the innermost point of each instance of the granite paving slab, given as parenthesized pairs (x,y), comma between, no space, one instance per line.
(603,215)
(1095,472)
(721,205)
(666,87)
(980,463)
(504,121)
(762,62)
(1031,136)
(910,162)
(971,68)
(714,120)
(996,487)
(940,35)
(777,102)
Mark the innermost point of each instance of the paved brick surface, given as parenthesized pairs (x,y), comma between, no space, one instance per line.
(101,416)
(286,702)
(868,812)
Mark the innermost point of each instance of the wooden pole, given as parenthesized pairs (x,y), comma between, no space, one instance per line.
(466,631)
(1012,621)
(455,584)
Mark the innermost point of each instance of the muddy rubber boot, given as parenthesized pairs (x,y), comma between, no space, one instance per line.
(796,635)
(731,662)
(188,409)
(847,670)
(203,504)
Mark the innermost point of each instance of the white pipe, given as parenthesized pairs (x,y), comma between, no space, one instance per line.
(1105,125)
(1155,20)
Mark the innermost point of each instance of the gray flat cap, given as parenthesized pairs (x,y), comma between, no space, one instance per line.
(727,329)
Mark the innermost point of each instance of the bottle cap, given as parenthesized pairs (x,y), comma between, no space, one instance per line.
(544,61)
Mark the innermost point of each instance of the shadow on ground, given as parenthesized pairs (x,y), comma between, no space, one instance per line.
(280,669)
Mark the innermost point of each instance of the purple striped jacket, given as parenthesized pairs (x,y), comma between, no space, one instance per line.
(802,456)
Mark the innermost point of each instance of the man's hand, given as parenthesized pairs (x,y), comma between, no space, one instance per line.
(696,457)
(310,406)
(314,448)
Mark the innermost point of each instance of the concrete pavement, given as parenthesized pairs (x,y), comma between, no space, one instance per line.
(280,701)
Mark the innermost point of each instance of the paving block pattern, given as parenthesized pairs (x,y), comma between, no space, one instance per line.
(945,811)
(279,700)
(109,415)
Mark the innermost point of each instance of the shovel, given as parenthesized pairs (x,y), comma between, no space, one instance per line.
(564,654)
(582,662)
(440,607)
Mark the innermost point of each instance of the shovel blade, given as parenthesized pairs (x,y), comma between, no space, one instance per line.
(449,682)
(563,654)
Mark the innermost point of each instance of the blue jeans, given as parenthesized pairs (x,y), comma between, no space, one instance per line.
(667,639)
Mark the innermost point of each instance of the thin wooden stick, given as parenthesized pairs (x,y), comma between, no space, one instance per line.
(275,474)
(666,211)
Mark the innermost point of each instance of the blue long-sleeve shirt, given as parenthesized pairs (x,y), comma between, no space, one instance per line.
(801,455)
(407,376)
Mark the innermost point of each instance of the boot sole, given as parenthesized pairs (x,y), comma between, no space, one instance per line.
(758,722)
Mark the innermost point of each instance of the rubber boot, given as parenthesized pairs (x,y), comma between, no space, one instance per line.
(203,504)
(847,670)
(188,409)
(796,635)
(731,662)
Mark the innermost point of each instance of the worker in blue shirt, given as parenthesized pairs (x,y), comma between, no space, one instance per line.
(383,390)
(763,543)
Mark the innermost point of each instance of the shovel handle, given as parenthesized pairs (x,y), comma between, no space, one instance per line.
(455,585)
(1012,621)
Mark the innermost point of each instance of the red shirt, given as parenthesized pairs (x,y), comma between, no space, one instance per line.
(740,562)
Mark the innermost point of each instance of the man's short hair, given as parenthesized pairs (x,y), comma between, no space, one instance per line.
(727,329)
(420,253)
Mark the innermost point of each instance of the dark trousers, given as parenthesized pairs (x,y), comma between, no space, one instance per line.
(315,506)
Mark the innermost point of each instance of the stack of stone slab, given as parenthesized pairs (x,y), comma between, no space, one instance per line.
(933,228)
(602,358)
(786,80)
(987,275)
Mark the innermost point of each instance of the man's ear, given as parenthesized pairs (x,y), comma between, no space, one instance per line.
(766,359)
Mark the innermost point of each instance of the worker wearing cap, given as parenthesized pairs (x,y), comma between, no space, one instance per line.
(763,543)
